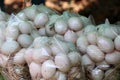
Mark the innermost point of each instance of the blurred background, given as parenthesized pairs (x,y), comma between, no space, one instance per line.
(99,9)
